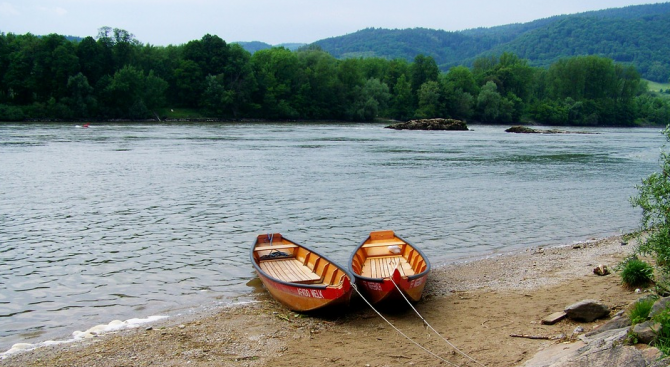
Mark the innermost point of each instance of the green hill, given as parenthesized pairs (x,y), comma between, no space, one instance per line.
(257,46)
(636,35)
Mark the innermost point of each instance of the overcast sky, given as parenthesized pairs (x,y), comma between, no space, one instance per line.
(163,22)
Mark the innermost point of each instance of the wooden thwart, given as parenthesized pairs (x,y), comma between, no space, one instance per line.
(378,243)
(383,267)
(289,270)
(275,247)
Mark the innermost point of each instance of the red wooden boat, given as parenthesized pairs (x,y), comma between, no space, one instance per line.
(384,258)
(298,277)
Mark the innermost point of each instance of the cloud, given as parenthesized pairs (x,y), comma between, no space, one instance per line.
(8,9)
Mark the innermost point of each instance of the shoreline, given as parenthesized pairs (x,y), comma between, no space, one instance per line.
(524,285)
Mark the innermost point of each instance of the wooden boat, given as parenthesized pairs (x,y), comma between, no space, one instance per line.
(384,258)
(299,277)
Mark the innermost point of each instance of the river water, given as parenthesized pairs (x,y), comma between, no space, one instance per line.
(118,221)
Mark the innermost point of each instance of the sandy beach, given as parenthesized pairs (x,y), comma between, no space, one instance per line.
(476,305)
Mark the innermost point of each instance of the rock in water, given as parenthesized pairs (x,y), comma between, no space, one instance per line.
(431,124)
(522,130)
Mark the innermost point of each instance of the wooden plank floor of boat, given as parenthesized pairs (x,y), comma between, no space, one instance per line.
(383,266)
(289,270)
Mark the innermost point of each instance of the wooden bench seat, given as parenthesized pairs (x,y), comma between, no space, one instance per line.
(275,247)
(378,243)
(289,270)
(383,267)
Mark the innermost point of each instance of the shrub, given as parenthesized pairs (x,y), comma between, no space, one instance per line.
(662,341)
(636,273)
(652,197)
(640,310)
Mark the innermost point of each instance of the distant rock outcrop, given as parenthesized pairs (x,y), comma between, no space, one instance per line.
(529,130)
(522,130)
(431,124)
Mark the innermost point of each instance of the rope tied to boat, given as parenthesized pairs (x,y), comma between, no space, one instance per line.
(431,327)
(275,255)
(400,332)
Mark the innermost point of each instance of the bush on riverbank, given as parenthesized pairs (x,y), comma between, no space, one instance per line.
(636,273)
(654,199)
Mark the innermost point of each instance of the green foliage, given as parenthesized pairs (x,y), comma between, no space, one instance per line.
(116,76)
(636,273)
(489,102)
(640,311)
(654,199)
(662,341)
(633,35)
(11,113)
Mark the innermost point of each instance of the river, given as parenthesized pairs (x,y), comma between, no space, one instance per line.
(117,221)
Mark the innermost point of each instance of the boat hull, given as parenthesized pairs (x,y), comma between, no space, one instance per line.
(390,285)
(298,277)
(307,298)
(379,291)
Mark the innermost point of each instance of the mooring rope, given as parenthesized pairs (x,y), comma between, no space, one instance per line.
(400,332)
(431,328)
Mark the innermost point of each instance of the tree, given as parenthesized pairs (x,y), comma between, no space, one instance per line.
(430,96)
(488,102)
(654,199)
(131,94)
(276,72)
(319,94)
(658,72)
(80,99)
(424,69)
(124,48)
(372,98)
(126,89)
(19,79)
(459,88)
(240,81)
(189,83)
(154,92)
(91,60)
(215,99)
(605,89)
(350,83)
(460,77)
(402,101)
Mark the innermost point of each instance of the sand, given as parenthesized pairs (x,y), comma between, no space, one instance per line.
(474,305)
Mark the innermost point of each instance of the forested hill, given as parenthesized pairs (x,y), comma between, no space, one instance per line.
(633,34)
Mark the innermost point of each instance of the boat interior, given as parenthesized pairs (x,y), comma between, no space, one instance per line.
(288,262)
(382,253)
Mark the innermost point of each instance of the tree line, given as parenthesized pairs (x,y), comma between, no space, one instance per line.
(114,76)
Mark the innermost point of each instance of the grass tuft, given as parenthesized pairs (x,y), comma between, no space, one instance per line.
(636,273)
(640,311)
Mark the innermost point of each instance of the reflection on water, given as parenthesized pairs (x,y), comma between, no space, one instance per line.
(121,221)
(256,285)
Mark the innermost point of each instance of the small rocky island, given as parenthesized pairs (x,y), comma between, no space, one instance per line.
(431,124)
(529,130)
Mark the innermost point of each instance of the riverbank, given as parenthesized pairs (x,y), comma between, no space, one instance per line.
(476,304)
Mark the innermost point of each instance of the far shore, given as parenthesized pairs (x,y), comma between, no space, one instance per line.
(475,304)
